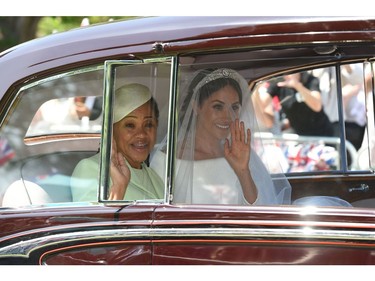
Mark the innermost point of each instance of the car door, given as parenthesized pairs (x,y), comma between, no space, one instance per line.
(47,134)
(75,235)
(304,231)
(233,235)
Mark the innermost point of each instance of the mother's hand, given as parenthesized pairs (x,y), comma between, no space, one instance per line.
(120,174)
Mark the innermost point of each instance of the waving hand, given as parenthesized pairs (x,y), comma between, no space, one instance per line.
(237,153)
(120,174)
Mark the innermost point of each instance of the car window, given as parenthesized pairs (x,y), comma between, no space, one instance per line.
(311,125)
(45,136)
(54,128)
(67,115)
(311,138)
(296,122)
(220,157)
(139,97)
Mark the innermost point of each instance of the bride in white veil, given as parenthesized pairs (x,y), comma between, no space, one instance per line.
(217,153)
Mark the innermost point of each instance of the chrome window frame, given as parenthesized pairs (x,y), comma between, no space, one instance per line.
(104,178)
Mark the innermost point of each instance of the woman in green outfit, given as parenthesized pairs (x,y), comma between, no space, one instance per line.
(134,135)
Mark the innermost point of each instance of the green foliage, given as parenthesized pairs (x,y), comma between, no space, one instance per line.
(48,25)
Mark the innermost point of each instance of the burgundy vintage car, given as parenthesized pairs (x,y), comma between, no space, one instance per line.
(43,137)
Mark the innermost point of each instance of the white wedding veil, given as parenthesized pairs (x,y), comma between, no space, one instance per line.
(215,174)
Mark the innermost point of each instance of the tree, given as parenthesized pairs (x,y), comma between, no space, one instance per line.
(16,30)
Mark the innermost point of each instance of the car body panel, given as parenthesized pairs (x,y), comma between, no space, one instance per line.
(232,235)
(66,230)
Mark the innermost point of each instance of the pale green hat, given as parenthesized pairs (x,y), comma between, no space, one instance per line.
(128,98)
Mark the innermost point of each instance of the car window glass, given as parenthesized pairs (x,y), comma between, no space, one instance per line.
(67,115)
(139,124)
(218,159)
(295,120)
(313,124)
(311,138)
(366,154)
(354,112)
(46,139)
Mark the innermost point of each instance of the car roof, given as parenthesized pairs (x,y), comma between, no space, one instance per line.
(185,27)
(138,36)
(151,29)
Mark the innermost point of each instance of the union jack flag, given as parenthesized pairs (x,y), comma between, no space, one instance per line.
(6,152)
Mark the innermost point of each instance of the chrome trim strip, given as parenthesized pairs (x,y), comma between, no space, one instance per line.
(64,74)
(25,247)
(105,146)
(301,233)
(305,234)
(342,150)
(171,133)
